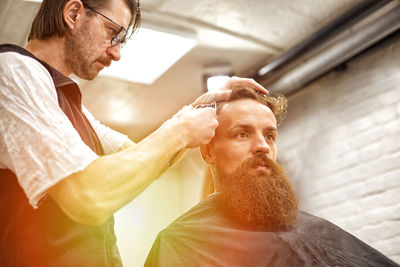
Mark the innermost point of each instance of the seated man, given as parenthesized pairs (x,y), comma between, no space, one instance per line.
(253,218)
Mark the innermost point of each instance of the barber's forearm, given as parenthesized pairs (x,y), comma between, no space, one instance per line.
(128,143)
(94,194)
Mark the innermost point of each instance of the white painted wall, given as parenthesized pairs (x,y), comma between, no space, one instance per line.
(341,146)
(139,222)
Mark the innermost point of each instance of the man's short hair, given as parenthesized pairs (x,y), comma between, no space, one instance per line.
(49,19)
(276,102)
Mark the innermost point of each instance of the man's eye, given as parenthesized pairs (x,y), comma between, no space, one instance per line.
(242,135)
(270,137)
(113,32)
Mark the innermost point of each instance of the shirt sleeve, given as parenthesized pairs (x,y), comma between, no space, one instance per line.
(37,141)
(111,140)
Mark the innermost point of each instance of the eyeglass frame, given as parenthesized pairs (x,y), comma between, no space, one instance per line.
(115,40)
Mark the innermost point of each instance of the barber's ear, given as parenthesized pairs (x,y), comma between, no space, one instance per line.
(206,154)
(72,13)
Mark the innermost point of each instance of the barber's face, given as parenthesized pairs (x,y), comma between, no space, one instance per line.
(246,128)
(88,48)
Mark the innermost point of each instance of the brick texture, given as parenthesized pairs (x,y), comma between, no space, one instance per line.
(340,144)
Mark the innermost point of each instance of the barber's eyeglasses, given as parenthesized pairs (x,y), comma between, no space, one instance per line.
(120,36)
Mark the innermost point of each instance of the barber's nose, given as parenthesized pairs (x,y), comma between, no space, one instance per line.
(261,145)
(114,52)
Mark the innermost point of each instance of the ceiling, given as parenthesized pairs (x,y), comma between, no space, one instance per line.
(245,34)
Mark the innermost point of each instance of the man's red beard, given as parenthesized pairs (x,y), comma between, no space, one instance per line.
(258,199)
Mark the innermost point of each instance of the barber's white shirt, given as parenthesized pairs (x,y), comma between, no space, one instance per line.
(37,141)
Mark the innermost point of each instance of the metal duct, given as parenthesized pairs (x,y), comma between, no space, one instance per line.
(355,40)
(286,61)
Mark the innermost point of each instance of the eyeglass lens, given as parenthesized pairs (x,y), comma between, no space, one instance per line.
(119,38)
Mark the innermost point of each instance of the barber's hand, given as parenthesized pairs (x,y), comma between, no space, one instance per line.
(196,125)
(224,92)
(233,81)
(211,97)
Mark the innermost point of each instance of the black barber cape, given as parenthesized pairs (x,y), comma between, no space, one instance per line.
(46,236)
(205,236)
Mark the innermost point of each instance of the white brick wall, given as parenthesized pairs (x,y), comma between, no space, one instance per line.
(341,146)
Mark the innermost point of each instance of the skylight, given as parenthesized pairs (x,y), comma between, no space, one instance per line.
(148,55)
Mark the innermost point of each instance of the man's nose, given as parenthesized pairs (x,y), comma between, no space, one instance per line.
(261,145)
(114,52)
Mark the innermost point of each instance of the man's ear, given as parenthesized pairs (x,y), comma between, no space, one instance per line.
(72,13)
(206,154)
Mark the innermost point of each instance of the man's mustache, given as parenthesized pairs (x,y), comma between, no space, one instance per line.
(258,160)
(105,61)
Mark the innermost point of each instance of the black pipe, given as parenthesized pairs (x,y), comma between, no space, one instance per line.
(345,20)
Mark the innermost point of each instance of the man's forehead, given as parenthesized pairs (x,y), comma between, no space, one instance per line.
(247,112)
(243,108)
